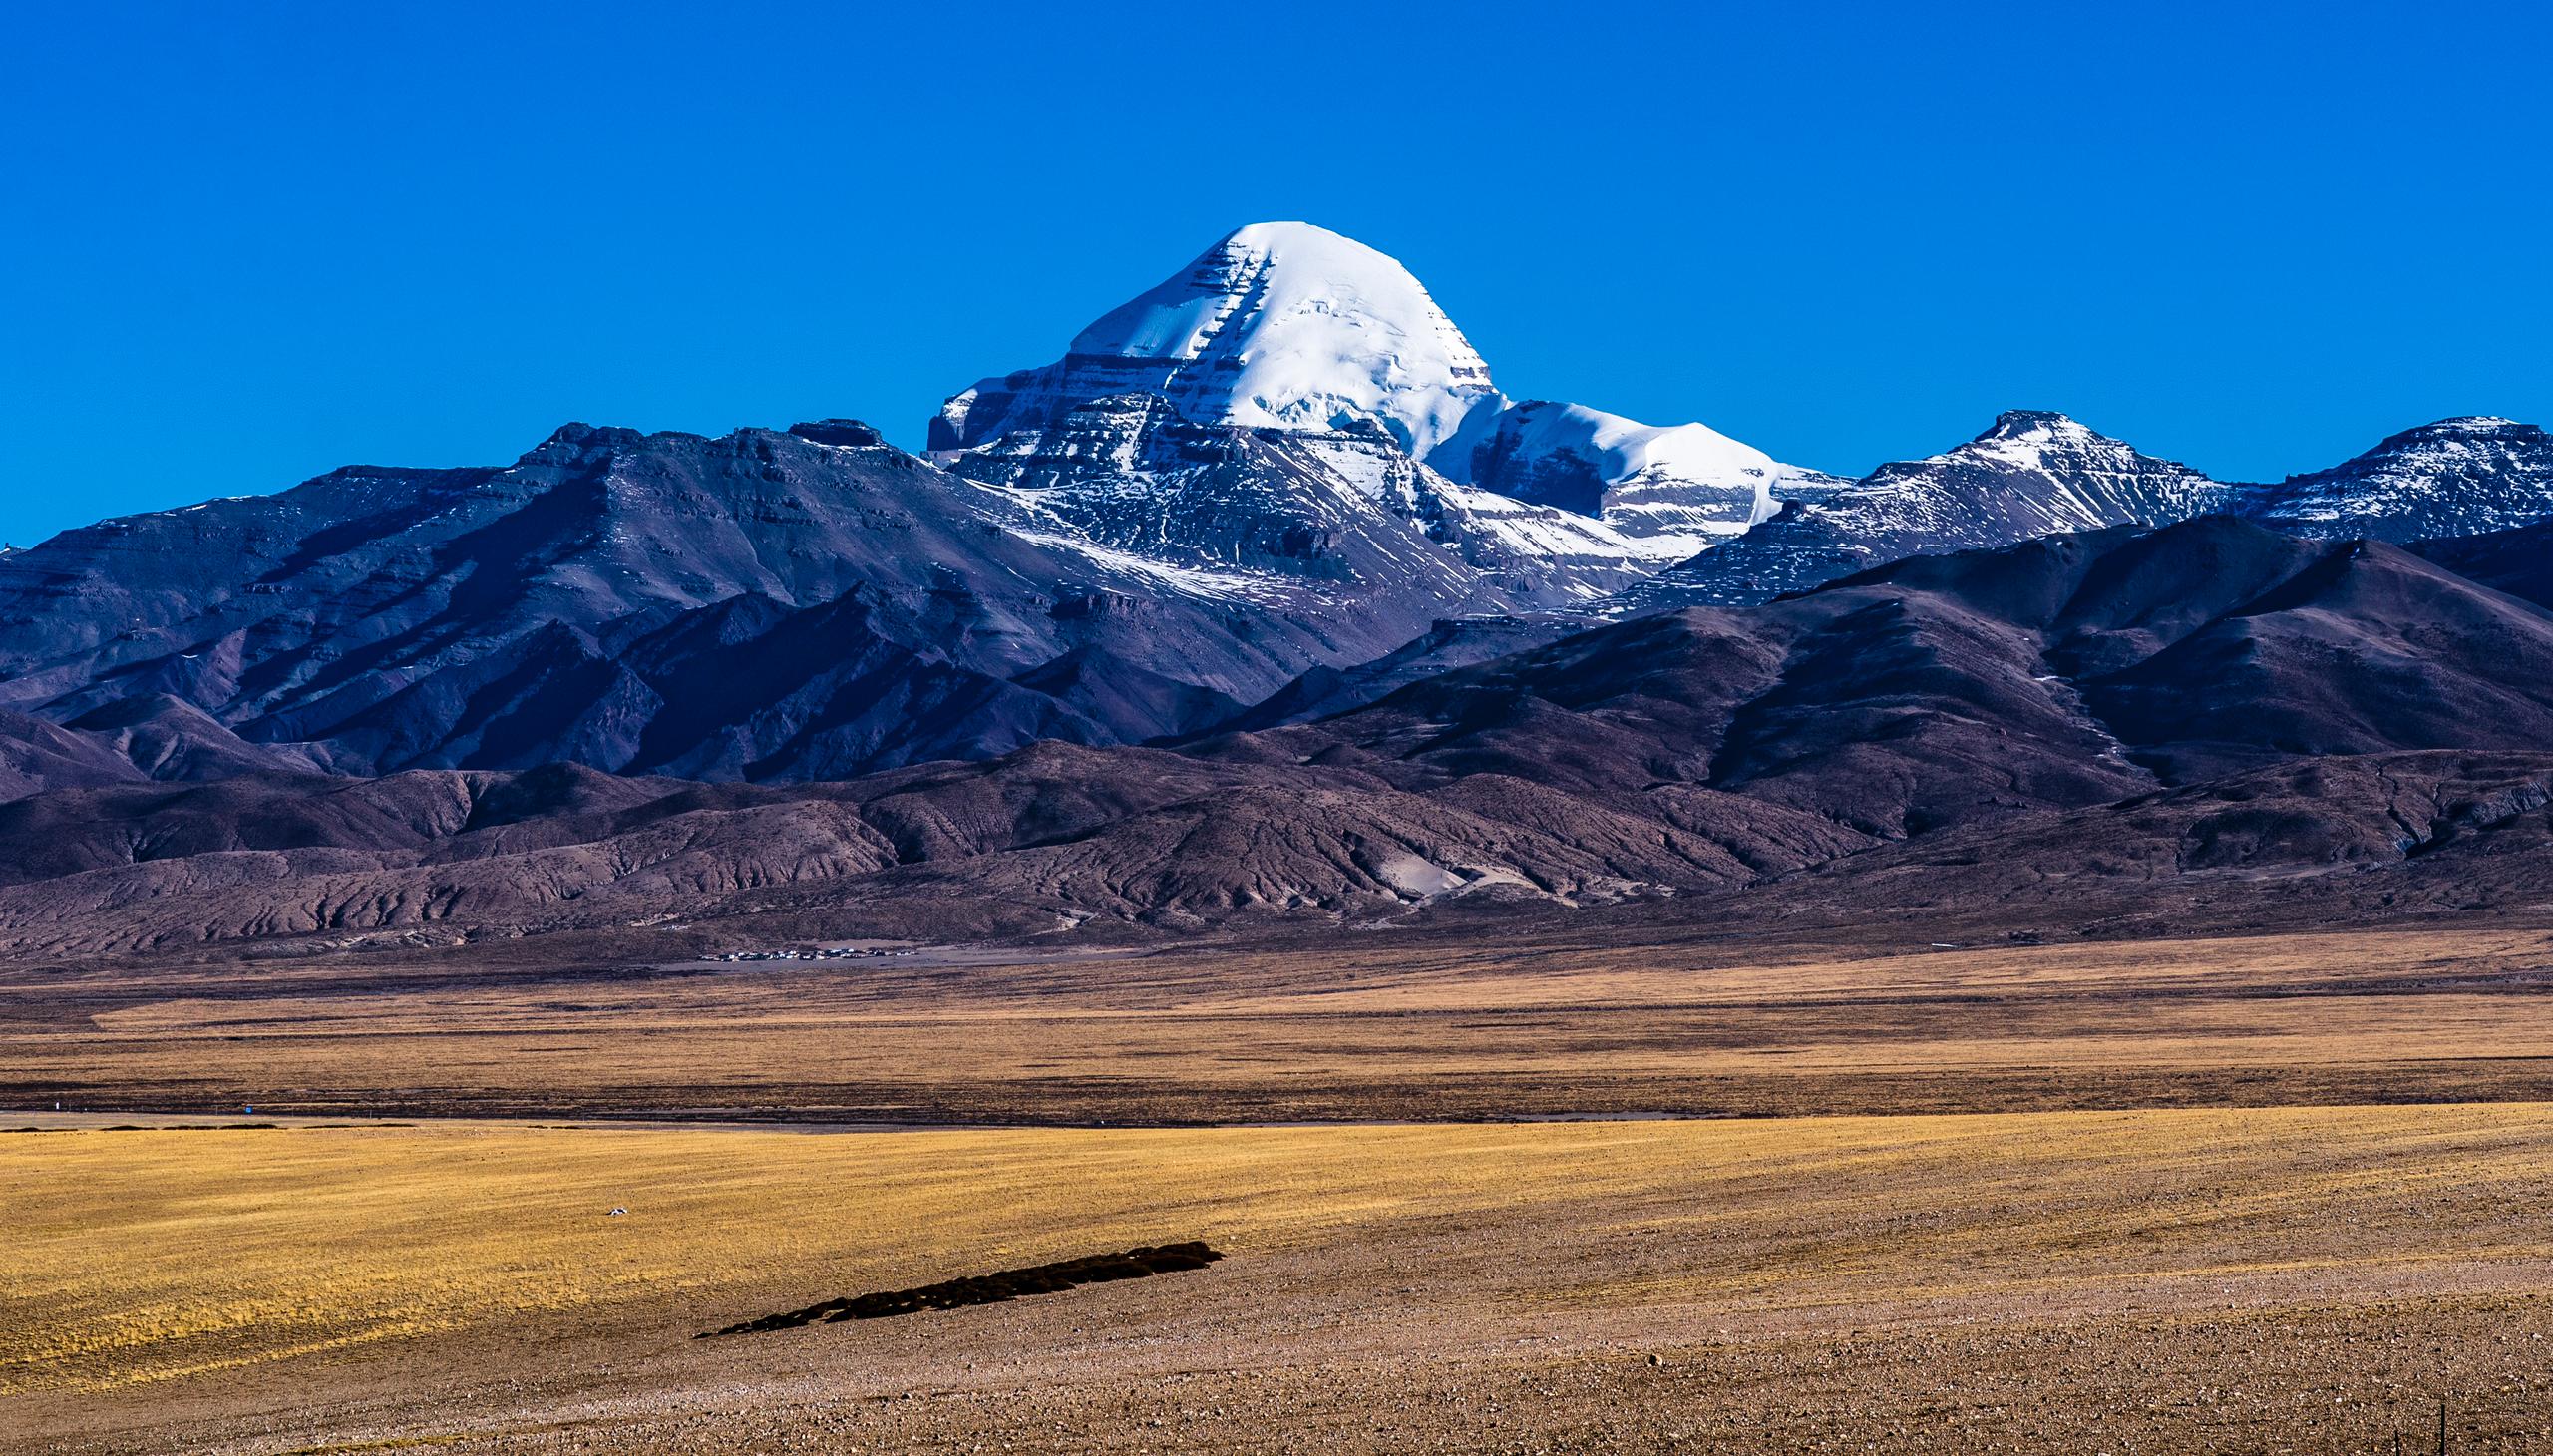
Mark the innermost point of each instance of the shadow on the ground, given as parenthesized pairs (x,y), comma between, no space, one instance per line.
(992,1289)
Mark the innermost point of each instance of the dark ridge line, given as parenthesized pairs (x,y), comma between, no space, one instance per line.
(992,1289)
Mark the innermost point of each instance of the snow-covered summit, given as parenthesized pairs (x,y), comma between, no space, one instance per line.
(1292,325)
(1279,324)
(2458,476)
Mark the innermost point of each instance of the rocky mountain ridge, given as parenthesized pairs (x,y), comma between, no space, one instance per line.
(2034,472)
(2463,477)
(2206,709)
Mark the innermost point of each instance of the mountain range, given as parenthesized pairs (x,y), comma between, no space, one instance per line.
(1399,643)
(2034,472)
(2263,712)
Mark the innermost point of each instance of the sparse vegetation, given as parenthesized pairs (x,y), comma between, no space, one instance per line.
(1926,1261)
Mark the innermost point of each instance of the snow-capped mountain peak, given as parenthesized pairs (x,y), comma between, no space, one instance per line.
(1277,325)
(1290,326)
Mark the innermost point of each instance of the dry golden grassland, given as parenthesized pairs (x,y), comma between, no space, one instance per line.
(2172,1280)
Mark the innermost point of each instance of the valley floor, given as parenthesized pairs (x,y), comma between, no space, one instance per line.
(2270,1194)
(1385,1026)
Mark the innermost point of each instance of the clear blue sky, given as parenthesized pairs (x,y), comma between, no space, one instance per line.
(249,243)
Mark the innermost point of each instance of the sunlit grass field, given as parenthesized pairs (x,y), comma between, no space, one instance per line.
(138,1257)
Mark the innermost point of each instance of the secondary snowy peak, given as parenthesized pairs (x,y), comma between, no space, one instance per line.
(2460,477)
(2040,470)
(1279,324)
(2031,473)
(1678,488)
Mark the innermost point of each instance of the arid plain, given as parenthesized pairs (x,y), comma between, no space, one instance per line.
(1546,1194)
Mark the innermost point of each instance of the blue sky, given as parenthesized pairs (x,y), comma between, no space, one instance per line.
(249,243)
